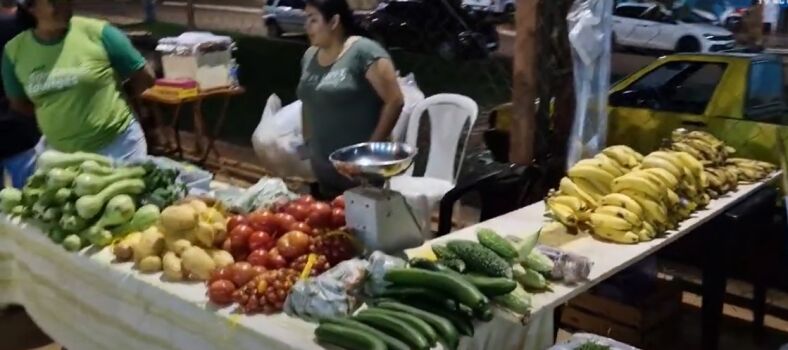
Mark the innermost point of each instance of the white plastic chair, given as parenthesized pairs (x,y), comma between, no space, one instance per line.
(448,113)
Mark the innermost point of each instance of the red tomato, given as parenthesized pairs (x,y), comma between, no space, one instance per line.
(260,239)
(320,216)
(306,199)
(338,202)
(222,273)
(293,244)
(220,292)
(258,269)
(283,222)
(239,238)
(338,217)
(242,272)
(299,211)
(300,226)
(240,255)
(258,257)
(227,245)
(275,260)
(236,220)
(262,221)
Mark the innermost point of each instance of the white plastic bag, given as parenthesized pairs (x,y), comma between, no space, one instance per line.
(278,139)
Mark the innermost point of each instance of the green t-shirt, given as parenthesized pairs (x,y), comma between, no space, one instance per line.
(74,82)
(340,106)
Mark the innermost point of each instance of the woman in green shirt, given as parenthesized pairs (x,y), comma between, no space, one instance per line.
(348,88)
(67,71)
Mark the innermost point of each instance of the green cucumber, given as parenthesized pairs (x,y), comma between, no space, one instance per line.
(448,332)
(418,324)
(454,264)
(450,283)
(443,252)
(348,338)
(463,323)
(419,293)
(480,259)
(491,286)
(538,261)
(391,342)
(485,314)
(529,278)
(496,243)
(395,327)
(518,301)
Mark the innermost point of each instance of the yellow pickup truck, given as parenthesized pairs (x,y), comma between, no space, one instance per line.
(737,97)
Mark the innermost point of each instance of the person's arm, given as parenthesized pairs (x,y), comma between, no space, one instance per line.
(17,99)
(383,78)
(127,62)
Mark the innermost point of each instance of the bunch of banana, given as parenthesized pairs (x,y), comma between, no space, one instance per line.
(749,170)
(624,155)
(565,209)
(701,145)
(619,218)
(653,191)
(687,171)
(721,180)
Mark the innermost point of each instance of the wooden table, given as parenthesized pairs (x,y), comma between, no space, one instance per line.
(199,121)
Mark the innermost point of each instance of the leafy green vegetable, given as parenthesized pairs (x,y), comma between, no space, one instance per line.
(161,186)
(589,345)
(9,198)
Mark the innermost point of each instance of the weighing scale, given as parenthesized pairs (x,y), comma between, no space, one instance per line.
(379,216)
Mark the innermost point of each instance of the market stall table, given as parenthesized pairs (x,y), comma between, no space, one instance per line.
(84,301)
(199,121)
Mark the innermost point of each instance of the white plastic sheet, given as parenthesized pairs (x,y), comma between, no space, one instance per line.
(590,27)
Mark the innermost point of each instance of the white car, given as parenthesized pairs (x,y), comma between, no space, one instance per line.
(490,6)
(282,17)
(651,26)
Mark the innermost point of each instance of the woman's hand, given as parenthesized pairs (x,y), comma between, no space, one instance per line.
(348,170)
(383,78)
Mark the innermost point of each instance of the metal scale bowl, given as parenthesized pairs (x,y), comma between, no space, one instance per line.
(381,218)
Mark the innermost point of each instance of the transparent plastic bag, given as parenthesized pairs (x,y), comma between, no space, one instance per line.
(278,140)
(335,293)
(379,263)
(590,27)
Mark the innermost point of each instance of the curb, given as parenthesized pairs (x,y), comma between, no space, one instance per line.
(236,9)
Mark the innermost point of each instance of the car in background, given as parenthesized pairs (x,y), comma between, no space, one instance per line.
(432,26)
(497,7)
(652,27)
(282,17)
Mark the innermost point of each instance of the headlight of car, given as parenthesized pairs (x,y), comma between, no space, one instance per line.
(710,36)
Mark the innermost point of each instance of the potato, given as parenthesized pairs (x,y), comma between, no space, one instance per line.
(198,206)
(221,233)
(204,232)
(179,246)
(221,258)
(198,263)
(172,267)
(179,218)
(150,264)
(151,243)
(124,250)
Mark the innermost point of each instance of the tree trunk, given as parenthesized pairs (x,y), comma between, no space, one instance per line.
(524,83)
(190,14)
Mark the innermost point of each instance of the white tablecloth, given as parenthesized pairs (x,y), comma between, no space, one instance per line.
(85,302)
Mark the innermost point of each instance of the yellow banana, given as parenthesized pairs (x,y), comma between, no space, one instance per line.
(685,148)
(568,187)
(621,156)
(714,180)
(603,165)
(623,201)
(705,137)
(665,176)
(673,198)
(599,178)
(611,164)
(562,214)
(573,202)
(638,157)
(617,236)
(622,213)
(703,180)
(638,184)
(643,235)
(654,212)
(729,150)
(707,150)
(650,230)
(690,161)
(599,220)
(591,188)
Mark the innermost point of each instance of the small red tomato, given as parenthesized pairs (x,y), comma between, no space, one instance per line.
(283,222)
(260,239)
(258,257)
(236,220)
(306,199)
(300,226)
(337,217)
(240,255)
(262,221)
(239,240)
(275,260)
(242,272)
(299,211)
(293,244)
(338,202)
(320,216)
(258,269)
(222,273)
(220,292)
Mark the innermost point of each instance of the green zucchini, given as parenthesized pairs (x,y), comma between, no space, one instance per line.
(348,338)
(391,342)
(450,283)
(448,332)
(481,259)
(418,324)
(395,327)
(491,286)
(496,243)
